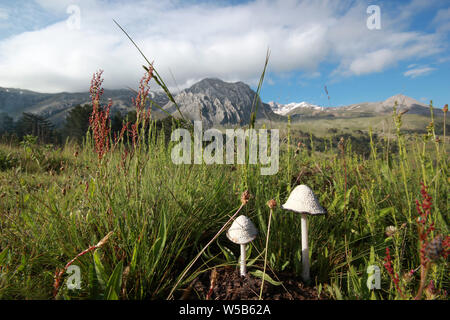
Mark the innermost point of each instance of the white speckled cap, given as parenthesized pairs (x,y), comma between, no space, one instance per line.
(242,231)
(303,200)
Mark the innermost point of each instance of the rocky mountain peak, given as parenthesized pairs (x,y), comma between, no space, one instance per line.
(214,101)
(401,100)
(217,88)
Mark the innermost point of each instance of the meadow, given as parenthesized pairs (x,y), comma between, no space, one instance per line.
(140,227)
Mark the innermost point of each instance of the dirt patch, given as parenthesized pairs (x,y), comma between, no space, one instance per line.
(229,285)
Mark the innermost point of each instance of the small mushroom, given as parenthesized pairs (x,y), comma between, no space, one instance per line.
(302,200)
(241,232)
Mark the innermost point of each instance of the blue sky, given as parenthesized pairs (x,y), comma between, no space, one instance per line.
(56,45)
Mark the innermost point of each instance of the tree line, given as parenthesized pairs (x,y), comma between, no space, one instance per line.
(27,124)
(75,127)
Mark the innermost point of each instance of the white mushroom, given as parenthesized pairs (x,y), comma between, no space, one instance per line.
(241,232)
(302,200)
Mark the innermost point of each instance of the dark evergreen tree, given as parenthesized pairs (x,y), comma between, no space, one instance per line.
(77,122)
(117,122)
(32,124)
(6,123)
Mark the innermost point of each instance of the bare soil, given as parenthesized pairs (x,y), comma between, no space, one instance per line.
(227,284)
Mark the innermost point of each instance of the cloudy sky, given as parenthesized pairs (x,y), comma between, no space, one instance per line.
(56,45)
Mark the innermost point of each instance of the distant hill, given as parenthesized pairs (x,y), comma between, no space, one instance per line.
(55,106)
(213,101)
(364,109)
(216,102)
(290,108)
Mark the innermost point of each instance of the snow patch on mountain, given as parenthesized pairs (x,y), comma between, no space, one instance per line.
(284,109)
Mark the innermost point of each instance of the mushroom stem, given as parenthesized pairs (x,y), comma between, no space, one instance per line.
(242,263)
(305,249)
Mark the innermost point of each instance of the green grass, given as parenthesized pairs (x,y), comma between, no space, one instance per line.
(163,214)
(58,204)
(382,125)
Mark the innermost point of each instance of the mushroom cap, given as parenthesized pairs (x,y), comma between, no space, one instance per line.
(303,200)
(242,230)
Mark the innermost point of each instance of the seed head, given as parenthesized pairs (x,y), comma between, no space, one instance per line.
(390,231)
(272,204)
(341,145)
(104,240)
(446,108)
(407,277)
(245,197)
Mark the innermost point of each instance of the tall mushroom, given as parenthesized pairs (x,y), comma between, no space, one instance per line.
(302,200)
(241,232)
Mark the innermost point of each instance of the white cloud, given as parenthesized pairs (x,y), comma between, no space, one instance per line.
(57,6)
(442,20)
(4,14)
(205,40)
(372,62)
(417,72)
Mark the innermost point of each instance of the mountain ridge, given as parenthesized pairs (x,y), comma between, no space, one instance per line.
(216,102)
(211,100)
(404,104)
